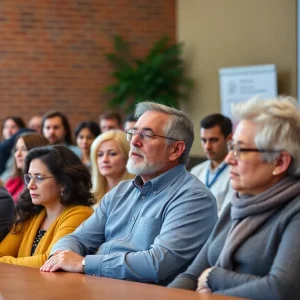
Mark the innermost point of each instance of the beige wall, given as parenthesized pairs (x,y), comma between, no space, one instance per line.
(224,33)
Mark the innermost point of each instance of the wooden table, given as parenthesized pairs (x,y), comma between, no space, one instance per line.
(28,283)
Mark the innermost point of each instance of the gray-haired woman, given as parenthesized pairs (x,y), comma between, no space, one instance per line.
(253,251)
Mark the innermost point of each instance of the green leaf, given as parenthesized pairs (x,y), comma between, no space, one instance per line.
(159,76)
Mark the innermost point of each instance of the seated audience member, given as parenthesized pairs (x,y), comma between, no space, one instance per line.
(85,134)
(253,251)
(110,120)
(56,129)
(109,155)
(55,203)
(11,126)
(6,211)
(148,229)
(129,122)
(35,123)
(216,131)
(6,148)
(24,143)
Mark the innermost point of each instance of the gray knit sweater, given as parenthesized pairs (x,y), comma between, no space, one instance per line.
(266,266)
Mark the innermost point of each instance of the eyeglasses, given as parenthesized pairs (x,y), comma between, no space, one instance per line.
(237,149)
(37,178)
(144,135)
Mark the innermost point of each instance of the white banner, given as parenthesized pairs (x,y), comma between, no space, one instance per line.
(242,83)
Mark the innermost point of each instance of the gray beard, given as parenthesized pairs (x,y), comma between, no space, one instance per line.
(143,168)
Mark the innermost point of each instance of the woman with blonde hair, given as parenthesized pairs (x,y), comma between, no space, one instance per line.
(109,155)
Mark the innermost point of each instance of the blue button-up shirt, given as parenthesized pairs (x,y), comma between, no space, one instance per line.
(146,233)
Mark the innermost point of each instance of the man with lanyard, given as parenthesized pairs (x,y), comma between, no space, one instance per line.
(215,132)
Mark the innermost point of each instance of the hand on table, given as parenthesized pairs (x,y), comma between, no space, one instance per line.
(202,286)
(64,260)
(206,291)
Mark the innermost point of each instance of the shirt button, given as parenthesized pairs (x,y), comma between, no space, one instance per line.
(133,218)
(94,274)
(154,192)
(143,197)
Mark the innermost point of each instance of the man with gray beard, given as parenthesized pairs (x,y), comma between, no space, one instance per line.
(151,228)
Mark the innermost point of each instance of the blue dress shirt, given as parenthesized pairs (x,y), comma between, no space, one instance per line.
(146,233)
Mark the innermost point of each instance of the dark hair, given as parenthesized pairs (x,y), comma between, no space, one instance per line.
(31,140)
(217,119)
(112,115)
(92,126)
(65,122)
(18,120)
(130,118)
(68,170)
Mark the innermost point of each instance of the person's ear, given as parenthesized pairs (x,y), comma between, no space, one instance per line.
(176,150)
(229,137)
(282,163)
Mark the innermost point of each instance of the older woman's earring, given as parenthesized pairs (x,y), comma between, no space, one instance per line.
(274,172)
(62,193)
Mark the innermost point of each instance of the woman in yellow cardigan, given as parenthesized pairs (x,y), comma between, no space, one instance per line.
(57,200)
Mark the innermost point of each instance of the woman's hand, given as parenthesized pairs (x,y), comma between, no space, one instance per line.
(206,291)
(202,286)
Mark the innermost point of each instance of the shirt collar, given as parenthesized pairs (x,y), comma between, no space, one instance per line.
(220,166)
(162,181)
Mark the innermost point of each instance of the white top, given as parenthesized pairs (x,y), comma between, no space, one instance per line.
(221,188)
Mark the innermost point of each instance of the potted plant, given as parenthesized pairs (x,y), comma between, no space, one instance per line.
(158,77)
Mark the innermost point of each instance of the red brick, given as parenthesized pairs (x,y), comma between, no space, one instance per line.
(52,52)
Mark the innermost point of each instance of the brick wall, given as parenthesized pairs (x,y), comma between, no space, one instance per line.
(52,51)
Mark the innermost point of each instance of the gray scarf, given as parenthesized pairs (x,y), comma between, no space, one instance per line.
(249,213)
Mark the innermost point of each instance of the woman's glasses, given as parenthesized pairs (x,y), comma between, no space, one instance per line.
(237,149)
(37,178)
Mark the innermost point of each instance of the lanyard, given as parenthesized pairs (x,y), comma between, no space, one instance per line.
(215,178)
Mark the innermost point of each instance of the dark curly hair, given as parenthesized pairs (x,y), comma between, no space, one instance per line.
(68,170)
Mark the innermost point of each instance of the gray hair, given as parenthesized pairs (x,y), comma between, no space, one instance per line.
(179,127)
(278,127)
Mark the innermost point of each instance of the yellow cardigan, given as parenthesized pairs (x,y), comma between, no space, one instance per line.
(15,248)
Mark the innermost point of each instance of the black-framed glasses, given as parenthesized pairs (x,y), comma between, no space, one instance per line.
(237,149)
(144,135)
(37,178)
